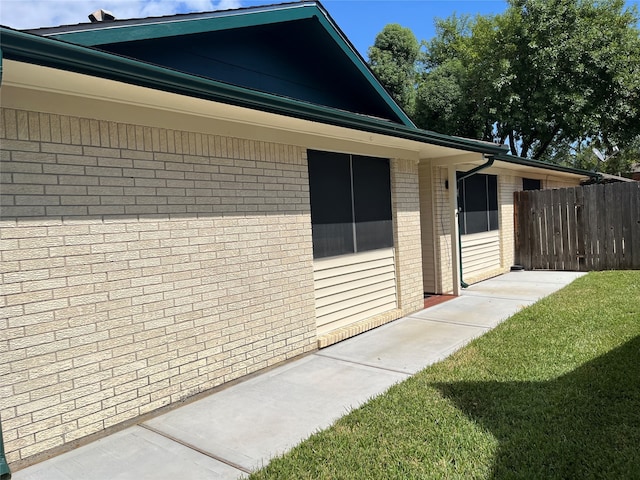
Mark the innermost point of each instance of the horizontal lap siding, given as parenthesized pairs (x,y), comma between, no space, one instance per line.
(353,287)
(480,254)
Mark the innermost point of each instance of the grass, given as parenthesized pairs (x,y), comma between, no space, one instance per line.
(553,392)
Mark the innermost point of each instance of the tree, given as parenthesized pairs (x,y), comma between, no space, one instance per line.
(617,161)
(393,59)
(550,78)
(569,73)
(454,88)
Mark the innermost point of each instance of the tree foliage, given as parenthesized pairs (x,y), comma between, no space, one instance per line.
(550,78)
(393,58)
(617,162)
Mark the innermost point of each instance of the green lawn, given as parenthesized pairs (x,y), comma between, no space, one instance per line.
(553,392)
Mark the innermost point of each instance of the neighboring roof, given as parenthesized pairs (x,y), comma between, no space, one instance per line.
(293,50)
(608,178)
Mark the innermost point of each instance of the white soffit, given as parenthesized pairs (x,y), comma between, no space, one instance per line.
(37,88)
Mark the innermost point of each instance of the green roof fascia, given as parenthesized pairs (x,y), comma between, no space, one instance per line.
(227,20)
(171,26)
(29,48)
(529,162)
(341,39)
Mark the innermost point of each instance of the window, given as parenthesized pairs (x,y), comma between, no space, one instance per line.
(531,184)
(350,203)
(478,204)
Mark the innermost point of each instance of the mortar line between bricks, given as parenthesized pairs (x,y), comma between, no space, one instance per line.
(197,449)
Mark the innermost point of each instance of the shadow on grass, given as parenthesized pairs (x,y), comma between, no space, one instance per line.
(585,424)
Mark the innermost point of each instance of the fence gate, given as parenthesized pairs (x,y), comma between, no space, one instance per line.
(595,227)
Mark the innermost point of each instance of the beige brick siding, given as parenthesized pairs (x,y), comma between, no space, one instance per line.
(427,227)
(442,227)
(507,185)
(407,238)
(141,266)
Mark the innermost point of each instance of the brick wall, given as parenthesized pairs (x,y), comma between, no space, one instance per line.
(507,185)
(427,227)
(141,266)
(442,226)
(407,239)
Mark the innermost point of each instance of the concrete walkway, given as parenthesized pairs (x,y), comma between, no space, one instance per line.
(238,429)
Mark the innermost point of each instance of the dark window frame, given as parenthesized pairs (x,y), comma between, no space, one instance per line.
(531,184)
(478,204)
(351,208)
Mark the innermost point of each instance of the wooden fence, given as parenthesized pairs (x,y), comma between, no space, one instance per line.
(595,227)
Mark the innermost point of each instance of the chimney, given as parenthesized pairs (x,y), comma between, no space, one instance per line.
(101,16)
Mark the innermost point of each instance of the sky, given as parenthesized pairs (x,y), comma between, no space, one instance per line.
(360,20)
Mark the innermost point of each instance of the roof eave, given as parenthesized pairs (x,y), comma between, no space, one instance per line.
(90,35)
(528,162)
(29,48)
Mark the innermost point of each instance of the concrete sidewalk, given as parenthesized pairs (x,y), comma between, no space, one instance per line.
(237,430)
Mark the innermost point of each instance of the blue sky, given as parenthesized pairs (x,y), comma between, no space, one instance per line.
(361,20)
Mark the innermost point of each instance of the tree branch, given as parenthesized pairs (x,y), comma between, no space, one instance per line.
(540,150)
(526,145)
(512,143)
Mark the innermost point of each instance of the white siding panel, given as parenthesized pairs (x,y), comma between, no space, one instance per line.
(352,288)
(480,253)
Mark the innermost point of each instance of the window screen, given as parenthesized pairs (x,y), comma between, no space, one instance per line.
(331,212)
(350,203)
(478,204)
(372,203)
(531,184)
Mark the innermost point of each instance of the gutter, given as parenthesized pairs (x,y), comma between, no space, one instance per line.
(468,174)
(48,52)
(528,162)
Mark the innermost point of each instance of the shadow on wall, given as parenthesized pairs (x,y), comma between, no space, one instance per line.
(585,424)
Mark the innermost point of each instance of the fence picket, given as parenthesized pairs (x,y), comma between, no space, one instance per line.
(580,239)
(635,226)
(547,226)
(594,227)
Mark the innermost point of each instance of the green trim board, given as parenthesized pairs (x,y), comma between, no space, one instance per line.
(103,34)
(29,48)
(341,39)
